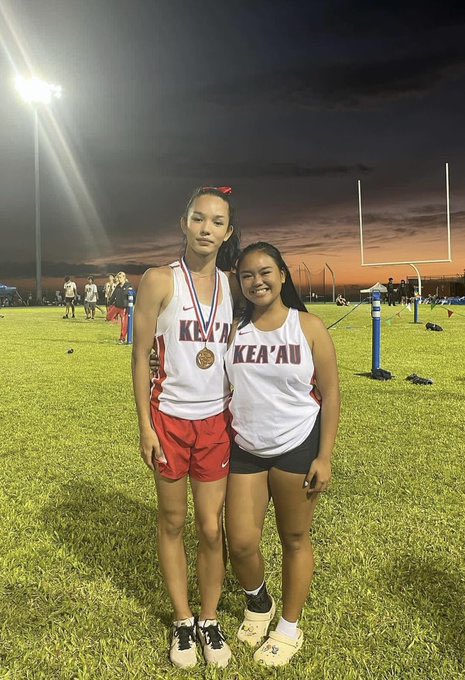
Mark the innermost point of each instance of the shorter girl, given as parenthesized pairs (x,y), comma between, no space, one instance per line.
(284,435)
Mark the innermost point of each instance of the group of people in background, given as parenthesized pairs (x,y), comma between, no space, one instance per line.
(115,292)
(401,294)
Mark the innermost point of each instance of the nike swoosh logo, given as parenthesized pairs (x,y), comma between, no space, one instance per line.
(186,308)
(223,465)
(244,332)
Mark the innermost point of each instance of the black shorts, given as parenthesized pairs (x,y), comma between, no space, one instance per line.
(298,460)
(69,301)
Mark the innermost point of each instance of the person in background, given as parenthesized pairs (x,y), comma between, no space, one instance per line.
(108,289)
(391,293)
(119,305)
(402,296)
(341,301)
(70,296)
(90,298)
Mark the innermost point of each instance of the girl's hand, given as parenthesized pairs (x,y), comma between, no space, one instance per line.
(318,477)
(154,362)
(150,449)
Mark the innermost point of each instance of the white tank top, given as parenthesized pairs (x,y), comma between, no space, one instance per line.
(182,389)
(273,405)
(70,289)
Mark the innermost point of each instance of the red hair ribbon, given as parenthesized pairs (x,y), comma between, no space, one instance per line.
(224,190)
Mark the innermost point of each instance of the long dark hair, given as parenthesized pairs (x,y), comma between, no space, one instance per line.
(230,249)
(289,295)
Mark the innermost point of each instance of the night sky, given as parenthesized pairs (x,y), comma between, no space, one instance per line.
(288,102)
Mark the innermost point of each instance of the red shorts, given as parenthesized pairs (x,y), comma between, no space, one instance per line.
(198,448)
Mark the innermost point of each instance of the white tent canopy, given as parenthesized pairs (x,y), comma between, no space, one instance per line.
(377,286)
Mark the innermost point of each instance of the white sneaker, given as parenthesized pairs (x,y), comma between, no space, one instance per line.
(183,647)
(216,650)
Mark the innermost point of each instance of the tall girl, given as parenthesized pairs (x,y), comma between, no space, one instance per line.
(285,430)
(184,419)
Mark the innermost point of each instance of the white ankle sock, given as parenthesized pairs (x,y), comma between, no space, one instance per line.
(189,621)
(254,592)
(288,628)
(202,622)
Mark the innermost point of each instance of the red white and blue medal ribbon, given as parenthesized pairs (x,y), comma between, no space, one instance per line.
(205,357)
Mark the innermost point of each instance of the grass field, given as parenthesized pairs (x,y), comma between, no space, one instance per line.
(81,595)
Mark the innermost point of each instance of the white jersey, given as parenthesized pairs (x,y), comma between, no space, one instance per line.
(91,292)
(273,405)
(181,388)
(70,289)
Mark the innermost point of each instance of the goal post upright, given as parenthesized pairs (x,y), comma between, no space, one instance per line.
(362,256)
(449,250)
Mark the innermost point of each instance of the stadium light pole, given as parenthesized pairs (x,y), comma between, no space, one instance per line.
(37,92)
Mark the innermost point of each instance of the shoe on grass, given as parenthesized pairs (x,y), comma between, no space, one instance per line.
(183,648)
(278,649)
(216,650)
(255,625)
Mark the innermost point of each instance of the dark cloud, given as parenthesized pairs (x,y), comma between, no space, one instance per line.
(346,84)
(432,208)
(404,223)
(194,168)
(397,16)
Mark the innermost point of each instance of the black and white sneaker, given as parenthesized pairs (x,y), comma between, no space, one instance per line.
(183,644)
(215,648)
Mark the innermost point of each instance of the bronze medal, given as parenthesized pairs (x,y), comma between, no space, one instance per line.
(205,358)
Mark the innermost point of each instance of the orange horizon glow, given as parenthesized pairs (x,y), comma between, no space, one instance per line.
(305,246)
(361,277)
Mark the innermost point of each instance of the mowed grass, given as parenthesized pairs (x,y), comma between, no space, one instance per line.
(81,595)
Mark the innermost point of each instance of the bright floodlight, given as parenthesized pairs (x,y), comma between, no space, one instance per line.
(37,91)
